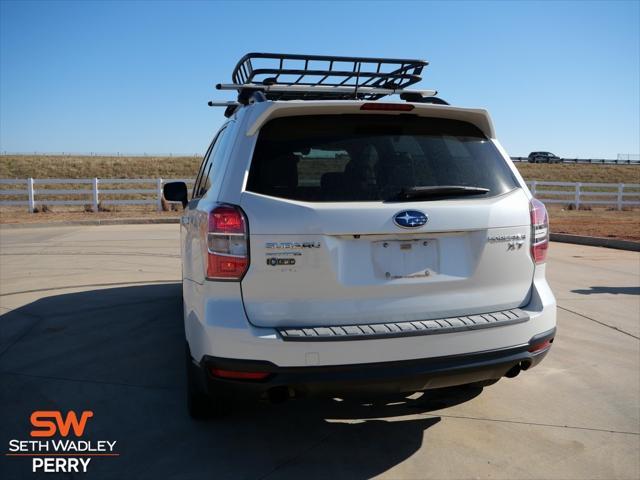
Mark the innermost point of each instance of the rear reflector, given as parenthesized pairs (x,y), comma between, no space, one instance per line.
(539,231)
(225,267)
(541,346)
(389,107)
(236,375)
(225,244)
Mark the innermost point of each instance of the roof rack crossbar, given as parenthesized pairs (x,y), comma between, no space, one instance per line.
(322,89)
(211,103)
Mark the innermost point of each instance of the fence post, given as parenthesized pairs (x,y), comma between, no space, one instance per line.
(96,200)
(620,197)
(577,199)
(159,189)
(534,185)
(32,202)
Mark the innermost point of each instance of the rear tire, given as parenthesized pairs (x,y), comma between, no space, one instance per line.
(201,405)
(197,399)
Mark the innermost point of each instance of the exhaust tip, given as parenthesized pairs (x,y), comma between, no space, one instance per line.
(278,394)
(513,372)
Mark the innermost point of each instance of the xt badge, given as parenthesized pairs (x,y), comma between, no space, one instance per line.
(515,245)
(514,242)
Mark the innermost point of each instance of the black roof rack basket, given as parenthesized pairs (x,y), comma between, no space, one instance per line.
(350,77)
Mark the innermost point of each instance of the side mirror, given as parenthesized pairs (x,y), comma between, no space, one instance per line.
(176,192)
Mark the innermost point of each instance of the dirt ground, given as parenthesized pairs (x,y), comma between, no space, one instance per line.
(598,222)
(15,215)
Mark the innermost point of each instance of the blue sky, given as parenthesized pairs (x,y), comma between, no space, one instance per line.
(135,76)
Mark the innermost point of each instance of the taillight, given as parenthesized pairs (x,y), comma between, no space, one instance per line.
(226,244)
(539,231)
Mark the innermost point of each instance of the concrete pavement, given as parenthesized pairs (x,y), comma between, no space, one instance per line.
(89,319)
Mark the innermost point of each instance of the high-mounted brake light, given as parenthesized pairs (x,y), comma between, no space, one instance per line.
(226,244)
(388,107)
(238,375)
(539,231)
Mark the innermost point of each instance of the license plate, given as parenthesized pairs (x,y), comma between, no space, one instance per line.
(406,258)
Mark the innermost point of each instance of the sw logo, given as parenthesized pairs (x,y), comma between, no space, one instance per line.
(48,428)
(62,454)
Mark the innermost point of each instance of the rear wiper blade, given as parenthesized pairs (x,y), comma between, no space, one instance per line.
(440,191)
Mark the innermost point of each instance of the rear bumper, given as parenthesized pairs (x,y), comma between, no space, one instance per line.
(376,378)
(216,326)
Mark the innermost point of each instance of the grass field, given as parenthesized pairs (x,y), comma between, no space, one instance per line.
(597,222)
(102,167)
(580,173)
(187,167)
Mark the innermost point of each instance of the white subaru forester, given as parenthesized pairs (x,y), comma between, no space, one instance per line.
(335,243)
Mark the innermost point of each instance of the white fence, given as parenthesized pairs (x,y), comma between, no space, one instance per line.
(616,195)
(94,190)
(93,194)
(625,160)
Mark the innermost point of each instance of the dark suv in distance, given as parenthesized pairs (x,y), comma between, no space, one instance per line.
(543,157)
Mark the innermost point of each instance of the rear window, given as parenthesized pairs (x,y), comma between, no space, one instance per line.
(331,158)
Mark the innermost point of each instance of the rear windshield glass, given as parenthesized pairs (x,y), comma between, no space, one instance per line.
(332,158)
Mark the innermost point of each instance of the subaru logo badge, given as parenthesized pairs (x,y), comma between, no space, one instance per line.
(410,219)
